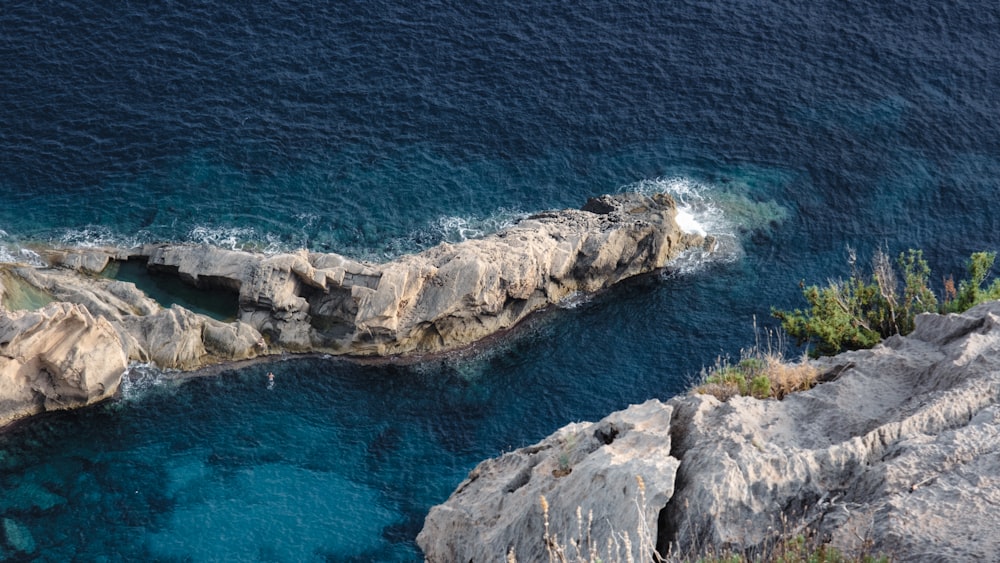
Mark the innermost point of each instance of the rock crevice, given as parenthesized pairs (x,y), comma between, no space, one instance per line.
(898,455)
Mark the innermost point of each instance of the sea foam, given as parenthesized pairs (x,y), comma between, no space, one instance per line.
(142,379)
(698,212)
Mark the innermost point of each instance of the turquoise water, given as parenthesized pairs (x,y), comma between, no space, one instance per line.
(376,129)
(169,289)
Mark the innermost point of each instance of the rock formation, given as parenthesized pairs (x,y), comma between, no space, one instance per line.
(441,299)
(58,357)
(446,297)
(618,472)
(899,454)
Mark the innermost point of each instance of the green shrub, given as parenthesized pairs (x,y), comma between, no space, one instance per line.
(760,387)
(971,291)
(860,312)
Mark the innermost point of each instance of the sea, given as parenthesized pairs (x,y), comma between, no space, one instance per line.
(801,134)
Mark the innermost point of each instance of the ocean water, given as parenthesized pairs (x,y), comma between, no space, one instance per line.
(374,129)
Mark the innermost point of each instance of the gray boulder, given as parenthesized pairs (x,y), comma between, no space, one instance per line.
(606,481)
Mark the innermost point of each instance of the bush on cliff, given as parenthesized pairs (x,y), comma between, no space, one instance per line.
(763,375)
(762,371)
(860,312)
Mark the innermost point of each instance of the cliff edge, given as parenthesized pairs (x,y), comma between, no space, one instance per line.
(898,454)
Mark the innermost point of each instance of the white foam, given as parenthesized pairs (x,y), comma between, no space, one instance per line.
(460,229)
(17,255)
(6,256)
(233,238)
(574,300)
(688,224)
(141,379)
(98,236)
(697,213)
(449,228)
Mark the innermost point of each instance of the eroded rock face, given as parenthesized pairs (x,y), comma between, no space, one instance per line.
(447,297)
(444,298)
(58,357)
(618,471)
(901,451)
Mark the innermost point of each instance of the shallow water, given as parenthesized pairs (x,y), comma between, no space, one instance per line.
(374,130)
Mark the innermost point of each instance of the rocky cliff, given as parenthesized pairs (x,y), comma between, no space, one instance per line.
(899,454)
(444,298)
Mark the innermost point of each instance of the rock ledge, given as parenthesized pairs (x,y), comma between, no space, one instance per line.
(899,454)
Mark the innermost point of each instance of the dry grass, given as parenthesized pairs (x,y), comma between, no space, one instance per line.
(797,545)
(585,549)
(762,372)
(763,376)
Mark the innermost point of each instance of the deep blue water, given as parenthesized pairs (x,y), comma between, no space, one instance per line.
(372,129)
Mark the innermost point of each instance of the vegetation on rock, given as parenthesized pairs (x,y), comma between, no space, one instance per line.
(860,312)
(762,372)
(759,374)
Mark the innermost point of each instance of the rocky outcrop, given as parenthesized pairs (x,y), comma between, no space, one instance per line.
(441,299)
(55,358)
(618,472)
(444,298)
(900,454)
(447,297)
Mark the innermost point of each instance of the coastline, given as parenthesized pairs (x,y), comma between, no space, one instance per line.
(443,300)
(894,454)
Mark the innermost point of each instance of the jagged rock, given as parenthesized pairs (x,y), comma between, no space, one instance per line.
(58,357)
(178,338)
(447,297)
(444,298)
(88,260)
(899,454)
(617,472)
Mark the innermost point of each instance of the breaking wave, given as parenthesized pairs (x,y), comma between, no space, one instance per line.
(698,212)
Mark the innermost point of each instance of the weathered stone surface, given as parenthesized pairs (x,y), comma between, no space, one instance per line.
(593,466)
(438,300)
(89,260)
(902,450)
(59,357)
(444,298)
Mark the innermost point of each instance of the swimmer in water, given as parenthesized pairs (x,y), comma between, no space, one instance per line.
(270,380)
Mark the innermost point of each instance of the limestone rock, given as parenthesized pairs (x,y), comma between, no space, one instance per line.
(445,298)
(87,260)
(58,357)
(900,452)
(618,473)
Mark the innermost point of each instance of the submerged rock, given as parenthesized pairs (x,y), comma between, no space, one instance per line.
(18,536)
(444,298)
(899,455)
